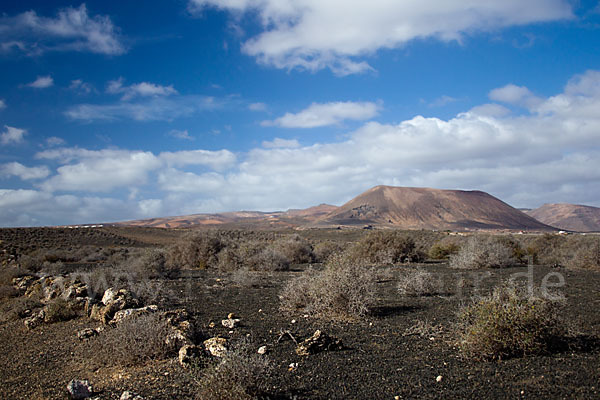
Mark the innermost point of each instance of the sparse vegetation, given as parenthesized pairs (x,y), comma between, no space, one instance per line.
(419,282)
(133,341)
(240,374)
(61,310)
(344,288)
(385,248)
(443,249)
(483,252)
(507,324)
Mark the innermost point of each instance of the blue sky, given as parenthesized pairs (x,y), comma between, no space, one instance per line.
(113,110)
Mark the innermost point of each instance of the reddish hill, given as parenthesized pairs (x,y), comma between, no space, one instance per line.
(423,208)
(290,218)
(571,217)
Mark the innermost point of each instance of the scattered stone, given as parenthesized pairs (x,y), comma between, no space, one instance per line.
(35,320)
(318,342)
(439,378)
(113,301)
(293,321)
(230,315)
(292,366)
(86,333)
(79,389)
(262,350)
(182,330)
(23,283)
(133,312)
(230,323)
(189,353)
(127,395)
(216,346)
(211,325)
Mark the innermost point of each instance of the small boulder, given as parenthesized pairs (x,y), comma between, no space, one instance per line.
(127,395)
(318,342)
(132,312)
(86,333)
(35,320)
(79,389)
(262,350)
(230,323)
(216,346)
(188,354)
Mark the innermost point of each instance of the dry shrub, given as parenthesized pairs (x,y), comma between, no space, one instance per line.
(323,250)
(241,374)
(149,264)
(586,255)
(385,248)
(197,250)
(245,278)
(60,309)
(133,341)
(295,249)
(419,283)
(343,289)
(19,307)
(483,252)
(443,249)
(507,324)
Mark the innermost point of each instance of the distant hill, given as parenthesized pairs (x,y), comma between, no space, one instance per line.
(571,217)
(424,208)
(251,219)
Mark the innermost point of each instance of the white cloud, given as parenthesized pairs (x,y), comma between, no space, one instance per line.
(142,89)
(149,109)
(324,114)
(217,160)
(42,82)
(71,30)
(279,143)
(23,172)
(98,171)
(2,104)
(81,86)
(32,207)
(55,141)
(257,107)
(442,101)
(185,135)
(317,34)
(12,135)
(516,95)
(549,154)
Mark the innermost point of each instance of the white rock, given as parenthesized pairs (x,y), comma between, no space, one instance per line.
(439,378)
(216,346)
(262,350)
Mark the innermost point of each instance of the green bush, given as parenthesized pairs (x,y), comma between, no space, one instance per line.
(507,324)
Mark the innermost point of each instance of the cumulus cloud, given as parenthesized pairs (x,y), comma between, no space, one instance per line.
(148,109)
(547,154)
(73,29)
(142,89)
(23,172)
(324,114)
(42,82)
(316,34)
(515,95)
(2,104)
(279,143)
(98,171)
(217,160)
(12,135)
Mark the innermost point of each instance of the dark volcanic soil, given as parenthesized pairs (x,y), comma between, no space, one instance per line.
(380,361)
